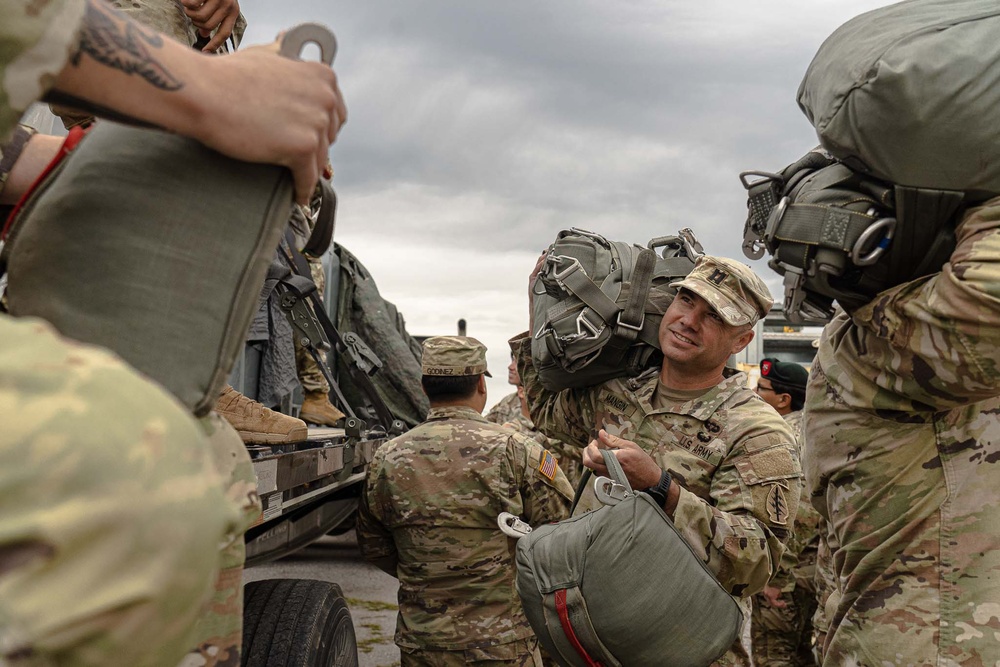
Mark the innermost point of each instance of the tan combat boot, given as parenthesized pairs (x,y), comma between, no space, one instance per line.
(317,409)
(256,424)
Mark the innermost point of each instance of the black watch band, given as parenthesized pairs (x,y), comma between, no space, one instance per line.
(661,490)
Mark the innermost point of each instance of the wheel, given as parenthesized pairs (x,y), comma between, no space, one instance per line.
(297,623)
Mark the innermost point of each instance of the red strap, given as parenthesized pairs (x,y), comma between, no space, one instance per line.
(72,139)
(568,629)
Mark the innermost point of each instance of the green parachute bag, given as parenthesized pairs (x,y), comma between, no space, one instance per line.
(597,305)
(908,94)
(153,246)
(620,586)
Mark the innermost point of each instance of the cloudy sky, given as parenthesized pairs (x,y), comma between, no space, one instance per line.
(479,130)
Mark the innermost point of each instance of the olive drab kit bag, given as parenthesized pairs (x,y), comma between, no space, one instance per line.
(597,305)
(94,251)
(903,99)
(835,234)
(620,586)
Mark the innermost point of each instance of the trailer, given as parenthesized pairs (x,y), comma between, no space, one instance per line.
(307,490)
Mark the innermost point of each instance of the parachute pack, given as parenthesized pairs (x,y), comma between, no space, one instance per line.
(593,602)
(902,99)
(838,235)
(597,305)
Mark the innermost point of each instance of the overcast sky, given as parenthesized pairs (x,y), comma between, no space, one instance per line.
(479,130)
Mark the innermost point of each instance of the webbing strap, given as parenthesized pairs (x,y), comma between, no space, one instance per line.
(581,286)
(567,627)
(615,469)
(821,225)
(631,317)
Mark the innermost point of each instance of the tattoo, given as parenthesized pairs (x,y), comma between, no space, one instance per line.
(115,41)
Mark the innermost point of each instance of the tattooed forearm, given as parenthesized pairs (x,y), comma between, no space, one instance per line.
(114,40)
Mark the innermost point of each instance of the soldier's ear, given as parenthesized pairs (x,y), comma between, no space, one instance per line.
(481,385)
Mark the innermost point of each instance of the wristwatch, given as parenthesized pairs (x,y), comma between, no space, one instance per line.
(660,491)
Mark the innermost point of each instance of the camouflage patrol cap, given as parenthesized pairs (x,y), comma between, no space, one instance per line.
(731,288)
(454,355)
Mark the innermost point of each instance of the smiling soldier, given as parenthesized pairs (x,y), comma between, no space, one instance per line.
(722,463)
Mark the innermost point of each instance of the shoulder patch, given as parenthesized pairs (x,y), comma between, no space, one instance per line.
(777,506)
(548,465)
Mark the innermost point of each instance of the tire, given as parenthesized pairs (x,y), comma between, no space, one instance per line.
(297,623)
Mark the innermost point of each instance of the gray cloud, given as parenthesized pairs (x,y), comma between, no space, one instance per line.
(478,130)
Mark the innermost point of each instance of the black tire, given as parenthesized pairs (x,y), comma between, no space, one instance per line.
(297,623)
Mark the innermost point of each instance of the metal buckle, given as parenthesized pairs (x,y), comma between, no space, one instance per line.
(765,176)
(574,265)
(864,241)
(692,247)
(610,492)
(593,330)
(753,245)
(794,294)
(773,220)
(619,323)
(512,526)
(293,41)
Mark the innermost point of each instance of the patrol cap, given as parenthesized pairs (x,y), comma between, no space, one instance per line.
(454,355)
(785,372)
(731,288)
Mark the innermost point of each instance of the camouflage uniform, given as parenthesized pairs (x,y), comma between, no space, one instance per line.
(310,376)
(570,457)
(904,459)
(107,459)
(111,509)
(784,636)
(733,456)
(506,410)
(432,500)
(825,585)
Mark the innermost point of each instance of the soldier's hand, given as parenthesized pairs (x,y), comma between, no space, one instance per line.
(207,15)
(773,596)
(295,114)
(639,467)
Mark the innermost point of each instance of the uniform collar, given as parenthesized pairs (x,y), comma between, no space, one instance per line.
(701,408)
(454,412)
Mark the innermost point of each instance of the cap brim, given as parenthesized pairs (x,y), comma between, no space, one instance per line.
(723,305)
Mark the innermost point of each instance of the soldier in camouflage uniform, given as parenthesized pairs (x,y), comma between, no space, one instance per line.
(507,408)
(728,462)
(903,459)
(570,458)
(781,625)
(428,516)
(117,503)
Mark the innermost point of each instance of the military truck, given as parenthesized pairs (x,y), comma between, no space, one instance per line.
(311,488)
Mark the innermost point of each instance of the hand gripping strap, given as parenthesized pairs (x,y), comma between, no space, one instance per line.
(615,469)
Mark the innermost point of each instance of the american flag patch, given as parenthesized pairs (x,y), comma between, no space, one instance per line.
(549,465)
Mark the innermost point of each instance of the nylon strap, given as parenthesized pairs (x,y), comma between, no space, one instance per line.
(819,225)
(582,287)
(364,383)
(615,469)
(631,317)
(568,622)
